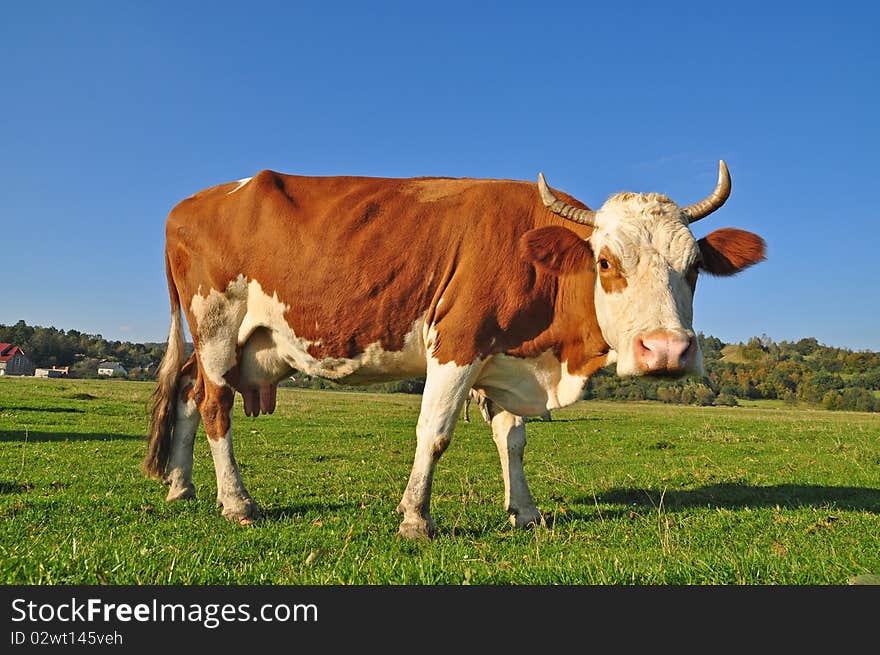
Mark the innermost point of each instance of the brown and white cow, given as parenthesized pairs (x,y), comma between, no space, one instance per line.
(506,287)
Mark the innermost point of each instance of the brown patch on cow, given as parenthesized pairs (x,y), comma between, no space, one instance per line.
(359,260)
(572,331)
(556,250)
(189,376)
(610,271)
(180,261)
(567,316)
(215,408)
(728,251)
(370,211)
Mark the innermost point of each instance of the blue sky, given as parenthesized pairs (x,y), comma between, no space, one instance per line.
(110,113)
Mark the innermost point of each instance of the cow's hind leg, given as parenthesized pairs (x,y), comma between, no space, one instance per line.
(216,409)
(509,433)
(215,322)
(186,422)
(446,387)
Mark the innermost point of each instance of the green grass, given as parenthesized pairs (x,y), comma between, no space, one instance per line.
(634,493)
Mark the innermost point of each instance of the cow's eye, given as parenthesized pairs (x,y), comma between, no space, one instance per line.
(603,264)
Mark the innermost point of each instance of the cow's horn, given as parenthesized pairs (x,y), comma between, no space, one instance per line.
(576,214)
(708,205)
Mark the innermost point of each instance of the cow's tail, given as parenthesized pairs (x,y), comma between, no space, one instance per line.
(164,399)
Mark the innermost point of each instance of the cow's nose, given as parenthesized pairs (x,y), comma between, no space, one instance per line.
(663,351)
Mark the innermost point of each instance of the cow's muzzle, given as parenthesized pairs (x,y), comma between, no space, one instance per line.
(665,352)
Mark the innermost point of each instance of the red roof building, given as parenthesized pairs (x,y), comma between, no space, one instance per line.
(13,361)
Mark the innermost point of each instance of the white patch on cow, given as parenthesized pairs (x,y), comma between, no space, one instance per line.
(446,387)
(376,363)
(260,361)
(241,183)
(246,315)
(530,387)
(655,246)
(218,317)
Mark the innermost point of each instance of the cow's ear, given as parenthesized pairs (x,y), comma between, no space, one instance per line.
(556,250)
(728,251)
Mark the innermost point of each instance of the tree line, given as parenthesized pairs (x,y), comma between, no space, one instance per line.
(48,346)
(804,371)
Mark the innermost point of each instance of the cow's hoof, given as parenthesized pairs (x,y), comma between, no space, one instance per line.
(528,518)
(418,529)
(182,492)
(245,512)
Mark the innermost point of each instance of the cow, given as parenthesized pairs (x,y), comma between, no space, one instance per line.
(513,288)
(482,405)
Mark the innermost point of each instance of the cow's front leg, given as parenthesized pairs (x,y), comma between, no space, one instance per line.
(216,410)
(509,433)
(446,387)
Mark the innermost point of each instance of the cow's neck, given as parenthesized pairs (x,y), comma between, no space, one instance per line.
(573,334)
(560,359)
(577,336)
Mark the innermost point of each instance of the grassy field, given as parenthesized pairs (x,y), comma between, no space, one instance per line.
(632,493)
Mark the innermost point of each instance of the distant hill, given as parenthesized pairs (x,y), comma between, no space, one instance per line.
(733,354)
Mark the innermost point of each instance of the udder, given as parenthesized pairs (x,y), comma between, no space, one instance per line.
(260,369)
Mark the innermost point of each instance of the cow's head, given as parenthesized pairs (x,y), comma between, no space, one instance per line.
(646,261)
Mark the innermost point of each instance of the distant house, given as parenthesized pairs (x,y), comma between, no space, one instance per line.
(111,368)
(13,361)
(54,372)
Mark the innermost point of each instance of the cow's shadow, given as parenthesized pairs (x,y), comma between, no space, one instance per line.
(50,410)
(727,495)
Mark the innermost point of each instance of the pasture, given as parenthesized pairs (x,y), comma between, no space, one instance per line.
(632,494)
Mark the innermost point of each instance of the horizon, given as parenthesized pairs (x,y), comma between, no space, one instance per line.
(114,113)
(704,335)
